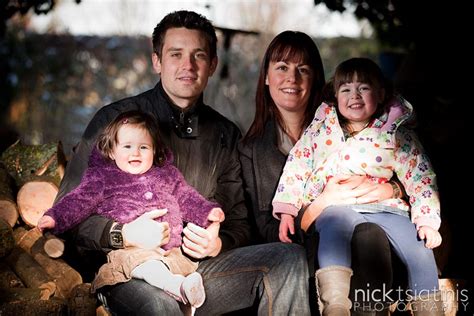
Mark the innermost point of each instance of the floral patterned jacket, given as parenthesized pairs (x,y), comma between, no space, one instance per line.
(384,147)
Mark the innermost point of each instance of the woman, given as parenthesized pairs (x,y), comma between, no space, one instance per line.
(289,90)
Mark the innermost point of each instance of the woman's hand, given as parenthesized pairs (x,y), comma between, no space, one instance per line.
(345,189)
(287,223)
(379,192)
(431,236)
(340,189)
(146,233)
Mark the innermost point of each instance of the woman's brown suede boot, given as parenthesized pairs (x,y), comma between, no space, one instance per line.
(333,284)
(428,305)
(383,312)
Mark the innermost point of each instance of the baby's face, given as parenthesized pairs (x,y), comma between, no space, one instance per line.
(133,152)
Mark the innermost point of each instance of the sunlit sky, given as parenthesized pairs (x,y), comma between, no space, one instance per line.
(129,17)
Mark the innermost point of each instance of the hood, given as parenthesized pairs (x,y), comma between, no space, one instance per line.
(400,112)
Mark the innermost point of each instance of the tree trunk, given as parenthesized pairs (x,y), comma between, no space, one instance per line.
(6,238)
(27,162)
(82,301)
(8,210)
(34,198)
(31,272)
(19,294)
(53,306)
(8,278)
(65,277)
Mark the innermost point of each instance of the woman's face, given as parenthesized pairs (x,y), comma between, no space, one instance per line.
(290,84)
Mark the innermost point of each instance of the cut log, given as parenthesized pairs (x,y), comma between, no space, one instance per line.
(8,278)
(34,198)
(8,209)
(27,162)
(26,238)
(82,301)
(53,246)
(6,238)
(102,311)
(53,306)
(65,277)
(31,272)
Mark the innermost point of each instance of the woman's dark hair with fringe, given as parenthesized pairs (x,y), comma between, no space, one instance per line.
(108,139)
(190,20)
(287,46)
(362,70)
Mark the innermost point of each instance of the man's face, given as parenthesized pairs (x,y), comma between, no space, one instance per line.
(185,65)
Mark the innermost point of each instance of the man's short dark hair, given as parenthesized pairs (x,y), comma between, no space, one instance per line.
(190,20)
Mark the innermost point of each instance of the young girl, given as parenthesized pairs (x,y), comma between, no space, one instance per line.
(130,173)
(363,135)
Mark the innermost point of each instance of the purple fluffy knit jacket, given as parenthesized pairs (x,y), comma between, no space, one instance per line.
(106,190)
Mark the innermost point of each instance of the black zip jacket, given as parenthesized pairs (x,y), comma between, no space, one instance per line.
(204,144)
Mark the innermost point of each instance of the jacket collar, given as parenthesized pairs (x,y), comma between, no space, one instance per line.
(183,121)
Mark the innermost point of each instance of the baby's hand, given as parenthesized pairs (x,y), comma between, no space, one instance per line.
(216,215)
(287,223)
(431,236)
(46,222)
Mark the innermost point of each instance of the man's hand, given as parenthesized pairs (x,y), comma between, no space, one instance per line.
(146,233)
(287,224)
(432,236)
(201,242)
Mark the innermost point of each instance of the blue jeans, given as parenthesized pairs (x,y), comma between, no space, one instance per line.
(336,225)
(275,275)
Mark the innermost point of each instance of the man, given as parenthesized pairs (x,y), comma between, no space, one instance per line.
(204,147)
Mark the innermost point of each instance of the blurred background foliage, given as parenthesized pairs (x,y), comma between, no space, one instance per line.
(57,82)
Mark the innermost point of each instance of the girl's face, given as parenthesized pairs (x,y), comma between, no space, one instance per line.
(133,152)
(357,102)
(290,84)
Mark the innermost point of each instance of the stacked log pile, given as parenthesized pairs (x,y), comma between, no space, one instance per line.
(33,280)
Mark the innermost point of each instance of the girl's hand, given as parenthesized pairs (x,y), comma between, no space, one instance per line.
(287,223)
(46,222)
(216,215)
(431,236)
